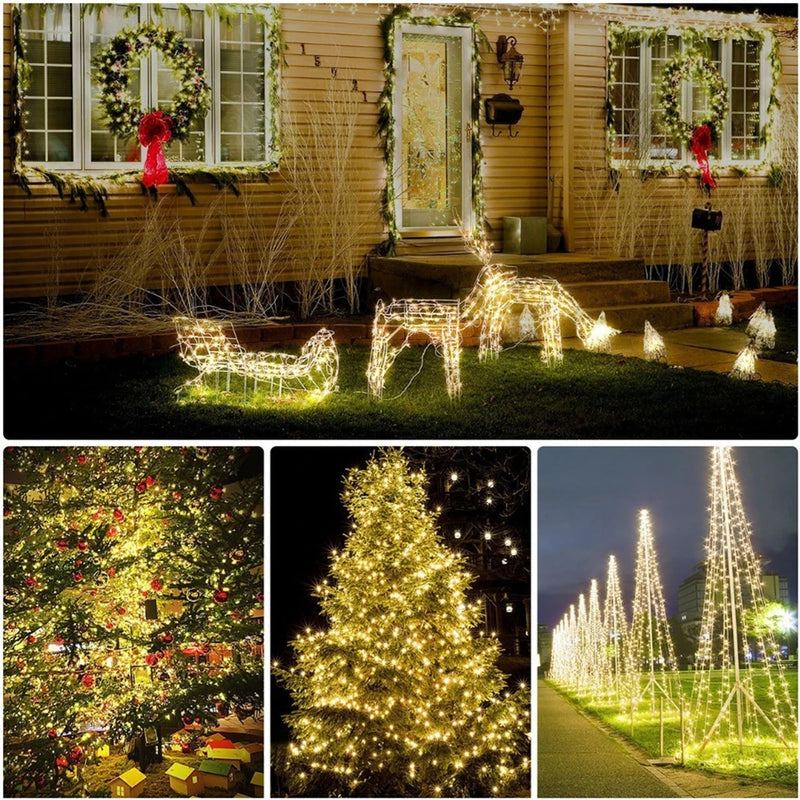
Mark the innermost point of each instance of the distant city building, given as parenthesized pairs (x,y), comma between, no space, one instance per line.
(692,591)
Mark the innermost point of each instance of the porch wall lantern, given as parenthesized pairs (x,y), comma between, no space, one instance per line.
(510,60)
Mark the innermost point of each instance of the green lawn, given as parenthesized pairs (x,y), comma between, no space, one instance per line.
(764,759)
(590,396)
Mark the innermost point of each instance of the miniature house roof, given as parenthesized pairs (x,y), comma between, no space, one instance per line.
(228,753)
(132,777)
(257,779)
(215,767)
(221,744)
(251,747)
(180,771)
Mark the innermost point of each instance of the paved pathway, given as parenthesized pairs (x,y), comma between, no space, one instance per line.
(711,349)
(578,758)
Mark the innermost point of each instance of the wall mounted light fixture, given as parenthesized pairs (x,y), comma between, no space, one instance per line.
(509,59)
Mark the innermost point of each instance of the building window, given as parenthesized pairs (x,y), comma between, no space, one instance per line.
(639,135)
(63,123)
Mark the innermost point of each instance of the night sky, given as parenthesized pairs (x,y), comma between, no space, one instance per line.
(588,499)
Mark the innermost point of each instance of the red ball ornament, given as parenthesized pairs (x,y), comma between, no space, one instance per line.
(220,596)
(76,754)
(110,626)
(62,545)
(31,639)
(77,577)
(166,637)
(186,747)
(81,459)
(186,719)
(83,546)
(61,762)
(52,733)
(215,492)
(156,585)
(149,480)
(118,515)
(87,681)
(30,581)
(151,659)
(141,486)
(176,495)
(260,597)
(97,514)
(111,532)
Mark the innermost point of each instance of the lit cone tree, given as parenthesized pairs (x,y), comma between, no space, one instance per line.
(652,662)
(616,632)
(396,697)
(726,707)
(596,656)
(92,538)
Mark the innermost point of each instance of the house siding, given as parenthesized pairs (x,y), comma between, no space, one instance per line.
(663,204)
(51,247)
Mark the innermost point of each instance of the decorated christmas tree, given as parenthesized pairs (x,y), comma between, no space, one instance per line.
(397,696)
(133,597)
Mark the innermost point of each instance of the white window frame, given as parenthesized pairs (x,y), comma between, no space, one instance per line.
(82,88)
(467,89)
(725,135)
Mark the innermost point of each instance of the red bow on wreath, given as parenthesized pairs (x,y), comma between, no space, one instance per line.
(701,144)
(154,129)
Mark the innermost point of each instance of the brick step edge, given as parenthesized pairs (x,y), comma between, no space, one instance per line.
(744,302)
(19,356)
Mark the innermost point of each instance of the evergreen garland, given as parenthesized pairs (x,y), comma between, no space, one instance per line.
(79,188)
(695,41)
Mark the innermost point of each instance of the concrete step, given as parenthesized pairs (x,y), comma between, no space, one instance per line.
(618,293)
(451,276)
(662,316)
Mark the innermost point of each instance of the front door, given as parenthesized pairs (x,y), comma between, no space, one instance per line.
(432,112)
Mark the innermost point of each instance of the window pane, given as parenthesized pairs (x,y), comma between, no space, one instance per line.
(242,102)
(100,30)
(745,99)
(662,146)
(193,32)
(47,37)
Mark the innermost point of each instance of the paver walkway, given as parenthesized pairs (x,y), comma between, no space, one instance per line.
(578,758)
(711,349)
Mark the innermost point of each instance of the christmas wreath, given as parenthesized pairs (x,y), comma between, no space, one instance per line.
(112,67)
(698,67)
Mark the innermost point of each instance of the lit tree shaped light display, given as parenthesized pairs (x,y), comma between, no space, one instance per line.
(728,638)
(396,696)
(133,597)
(652,666)
(615,626)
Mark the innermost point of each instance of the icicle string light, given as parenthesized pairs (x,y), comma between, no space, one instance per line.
(724,313)
(744,367)
(654,347)
(439,320)
(733,596)
(205,346)
(761,328)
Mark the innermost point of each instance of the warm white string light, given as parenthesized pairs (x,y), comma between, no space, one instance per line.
(652,663)
(744,367)
(204,345)
(761,328)
(733,596)
(499,287)
(654,347)
(615,626)
(439,320)
(724,313)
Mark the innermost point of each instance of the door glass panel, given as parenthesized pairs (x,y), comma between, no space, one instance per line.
(432,138)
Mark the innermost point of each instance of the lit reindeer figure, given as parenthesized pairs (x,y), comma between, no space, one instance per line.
(440,320)
(498,287)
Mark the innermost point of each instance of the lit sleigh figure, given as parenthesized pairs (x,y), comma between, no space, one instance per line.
(205,346)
